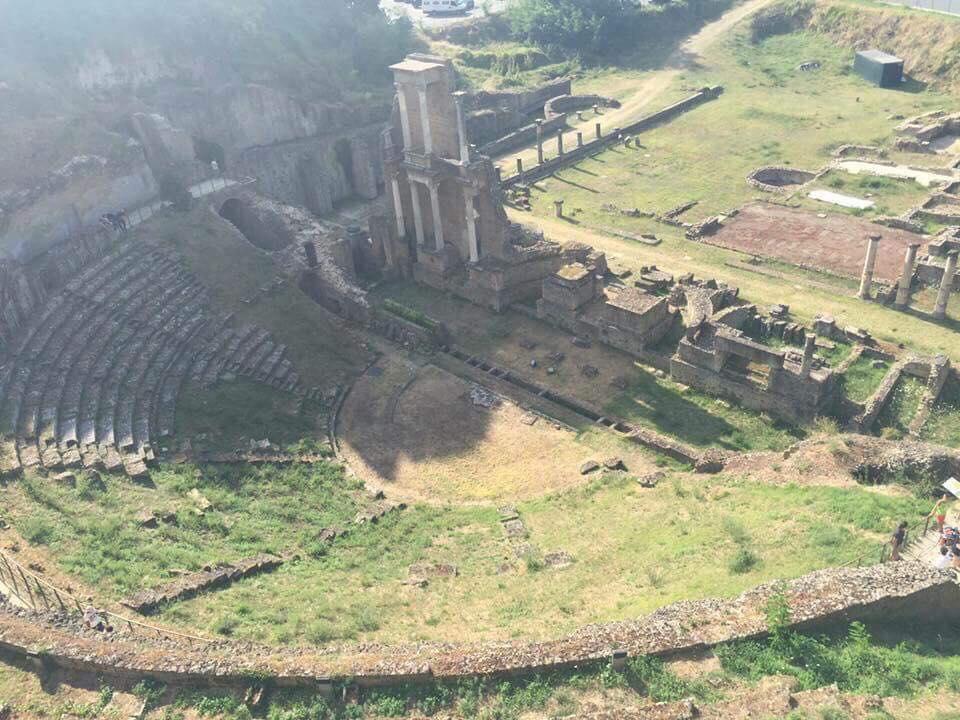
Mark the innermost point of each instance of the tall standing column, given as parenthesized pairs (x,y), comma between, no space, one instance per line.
(597,130)
(462,127)
(472,242)
(866,280)
(437,221)
(946,286)
(398,206)
(417,213)
(903,291)
(539,142)
(404,118)
(559,142)
(425,121)
(809,347)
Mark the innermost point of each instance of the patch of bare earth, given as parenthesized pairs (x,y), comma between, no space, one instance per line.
(425,434)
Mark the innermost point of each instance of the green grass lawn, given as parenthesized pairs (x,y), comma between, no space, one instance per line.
(94,534)
(232,413)
(892,196)
(770,114)
(862,378)
(692,536)
(943,425)
(698,418)
(902,406)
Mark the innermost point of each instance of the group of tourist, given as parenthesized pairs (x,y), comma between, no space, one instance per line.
(949,545)
(116,221)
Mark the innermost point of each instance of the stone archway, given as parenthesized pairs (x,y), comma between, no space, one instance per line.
(255,226)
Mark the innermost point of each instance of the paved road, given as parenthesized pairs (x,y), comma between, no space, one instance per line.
(394,8)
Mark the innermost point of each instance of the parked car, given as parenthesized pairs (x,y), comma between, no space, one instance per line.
(446,7)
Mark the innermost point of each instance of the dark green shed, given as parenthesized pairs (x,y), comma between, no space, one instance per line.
(879,68)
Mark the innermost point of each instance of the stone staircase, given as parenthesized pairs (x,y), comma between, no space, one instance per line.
(93,378)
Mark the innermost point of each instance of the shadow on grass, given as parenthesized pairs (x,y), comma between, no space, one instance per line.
(663,408)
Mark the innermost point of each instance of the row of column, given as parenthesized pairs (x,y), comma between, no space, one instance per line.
(906,277)
(540,155)
(438,239)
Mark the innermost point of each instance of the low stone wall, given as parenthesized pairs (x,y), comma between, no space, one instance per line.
(874,406)
(149,601)
(565,104)
(524,101)
(928,273)
(576,154)
(779,179)
(904,592)
(937,376)
(523,136)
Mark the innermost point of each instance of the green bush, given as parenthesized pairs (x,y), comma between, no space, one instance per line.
(743,561)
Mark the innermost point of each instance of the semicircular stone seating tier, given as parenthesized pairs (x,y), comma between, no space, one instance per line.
(93,379)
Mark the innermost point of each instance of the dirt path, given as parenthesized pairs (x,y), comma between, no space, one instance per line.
(652,86)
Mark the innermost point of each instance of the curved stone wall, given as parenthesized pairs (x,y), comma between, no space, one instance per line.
(563,104)
(779,179)
(895,592)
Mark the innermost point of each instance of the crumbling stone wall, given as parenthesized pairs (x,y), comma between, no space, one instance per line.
(904,592)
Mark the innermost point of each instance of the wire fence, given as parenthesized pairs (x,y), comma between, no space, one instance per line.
(38,594)
(884,552)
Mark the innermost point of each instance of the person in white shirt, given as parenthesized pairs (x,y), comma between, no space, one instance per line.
(943,562)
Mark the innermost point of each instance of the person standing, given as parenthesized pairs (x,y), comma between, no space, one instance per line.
(897,541)
(940,511)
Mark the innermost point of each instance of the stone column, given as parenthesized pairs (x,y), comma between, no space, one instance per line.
(462,127)
(472,215)
(540,142)
(520,169)
(558,208)
(903,291)
(437,221)
(425,121)
(499,172)
(946,286)
(559,142)
(809,347)
(579,139)
(597,128)
(398,204)
(404,118)
(866,280)
(417,213)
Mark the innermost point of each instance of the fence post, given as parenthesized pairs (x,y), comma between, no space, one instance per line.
(57,595)
(26,584)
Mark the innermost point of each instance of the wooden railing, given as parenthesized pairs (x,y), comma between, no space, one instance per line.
(39,594)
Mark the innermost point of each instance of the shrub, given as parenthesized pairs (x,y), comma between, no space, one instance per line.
(743,561)
(37,530)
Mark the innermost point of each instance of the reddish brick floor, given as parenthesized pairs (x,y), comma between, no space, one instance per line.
(836,243)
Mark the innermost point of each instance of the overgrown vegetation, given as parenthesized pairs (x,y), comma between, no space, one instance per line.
(698,418)
(862,378)
(232,414)
(603,28)
(95,534)
(856,663)
(943,425)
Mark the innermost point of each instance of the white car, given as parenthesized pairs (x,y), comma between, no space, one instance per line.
(446,7)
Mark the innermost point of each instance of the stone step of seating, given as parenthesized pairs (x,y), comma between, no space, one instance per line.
(211,350)
(85,392)
(151,378)
(220,363)
(272,362)
(254,362)
(132,366)
(48,342)
(237,363)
